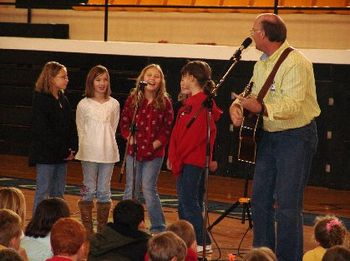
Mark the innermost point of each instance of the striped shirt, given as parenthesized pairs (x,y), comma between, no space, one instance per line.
(291,101)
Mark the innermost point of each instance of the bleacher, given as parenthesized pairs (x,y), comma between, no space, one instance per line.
(241,6)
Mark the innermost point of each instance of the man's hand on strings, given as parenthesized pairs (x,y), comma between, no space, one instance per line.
(236,114)
(249,103)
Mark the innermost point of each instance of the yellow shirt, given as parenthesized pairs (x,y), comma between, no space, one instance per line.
(291,101)
(315,254)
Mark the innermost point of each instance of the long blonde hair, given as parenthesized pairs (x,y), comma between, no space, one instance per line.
(161,93)
(13,198)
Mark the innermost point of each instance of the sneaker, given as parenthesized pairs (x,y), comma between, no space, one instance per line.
(208,249)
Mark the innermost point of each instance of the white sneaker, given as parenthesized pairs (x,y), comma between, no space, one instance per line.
(208,249)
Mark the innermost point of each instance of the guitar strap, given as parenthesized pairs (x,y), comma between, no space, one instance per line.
(271,76)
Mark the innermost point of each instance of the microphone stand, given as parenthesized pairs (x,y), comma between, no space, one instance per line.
(132,134)
(208,103)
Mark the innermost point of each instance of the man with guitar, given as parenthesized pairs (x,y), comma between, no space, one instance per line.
(284,93)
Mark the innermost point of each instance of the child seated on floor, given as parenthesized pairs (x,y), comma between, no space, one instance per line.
(68,240)
(337,253)
(8,254)
(166,246)
(11,232)
(13,198)
(328,231)
(124,239)
(260,254)
(37,233)
(185,231)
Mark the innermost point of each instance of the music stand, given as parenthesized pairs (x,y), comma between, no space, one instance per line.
(243,201)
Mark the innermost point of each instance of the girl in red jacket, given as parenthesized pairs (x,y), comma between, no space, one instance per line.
(187,148)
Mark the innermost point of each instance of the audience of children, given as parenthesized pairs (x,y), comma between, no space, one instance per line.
(13,198)
(328,231)
(337,253)
(124,239)
(166,246)
(68,240)
(11,232)
(37,233)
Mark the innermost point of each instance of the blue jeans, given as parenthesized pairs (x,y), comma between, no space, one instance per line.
(281,173)
(50,181)
(97,181)
(190,192)
(147,173)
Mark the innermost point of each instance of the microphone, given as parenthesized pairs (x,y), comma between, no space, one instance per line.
(245,44)
(143,84)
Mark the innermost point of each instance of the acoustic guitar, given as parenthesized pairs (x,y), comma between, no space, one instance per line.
(248,132)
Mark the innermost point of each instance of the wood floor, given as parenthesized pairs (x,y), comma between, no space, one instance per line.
(228,233)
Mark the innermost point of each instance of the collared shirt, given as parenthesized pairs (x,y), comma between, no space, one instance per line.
(291,101)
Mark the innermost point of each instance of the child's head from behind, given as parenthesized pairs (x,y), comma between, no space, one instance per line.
(10,228)
(184,230)
(9,254)
(67,237)
(98,80)
(53,75)
(13,198)
(329,231)
(201,72)
(260,254)
(46,214)
(166,246)
(129,213)
(337,253)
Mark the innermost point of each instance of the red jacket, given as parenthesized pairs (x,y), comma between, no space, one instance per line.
(151,124)
(188,144)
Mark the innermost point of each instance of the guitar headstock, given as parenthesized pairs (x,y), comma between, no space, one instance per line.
(248,89)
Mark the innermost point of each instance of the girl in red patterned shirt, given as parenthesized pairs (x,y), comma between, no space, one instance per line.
(146,123)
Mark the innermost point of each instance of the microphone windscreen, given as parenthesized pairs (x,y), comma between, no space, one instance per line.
(247,42)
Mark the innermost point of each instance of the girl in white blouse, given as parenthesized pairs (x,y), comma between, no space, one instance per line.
(97,118)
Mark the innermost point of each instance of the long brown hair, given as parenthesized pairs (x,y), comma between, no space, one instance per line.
(89,84)
(161,93)
(50,71)
(202,72)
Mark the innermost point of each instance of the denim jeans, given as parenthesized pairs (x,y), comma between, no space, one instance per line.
(190,193)
(281,173)
(146,176)
(50,181)
(97,181)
